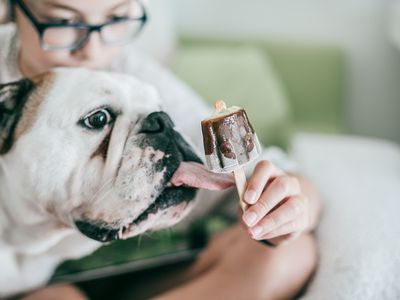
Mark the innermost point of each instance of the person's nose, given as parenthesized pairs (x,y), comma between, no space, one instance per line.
(92,49)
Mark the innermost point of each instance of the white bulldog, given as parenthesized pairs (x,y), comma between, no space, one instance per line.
(85,157)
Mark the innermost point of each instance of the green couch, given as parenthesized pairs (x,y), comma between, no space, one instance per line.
(285,86)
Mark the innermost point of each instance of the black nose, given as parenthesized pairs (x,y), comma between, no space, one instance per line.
(156,122)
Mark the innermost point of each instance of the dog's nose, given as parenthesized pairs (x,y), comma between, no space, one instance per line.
(156,122)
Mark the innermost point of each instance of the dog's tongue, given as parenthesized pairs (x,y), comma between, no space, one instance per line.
(196,175)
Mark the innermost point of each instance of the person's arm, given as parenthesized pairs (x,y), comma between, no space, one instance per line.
(313,195)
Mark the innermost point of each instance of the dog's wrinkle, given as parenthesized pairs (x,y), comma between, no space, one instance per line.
(50,208)
(102,149)
(122,157)
(69,184)
(118,167)
(102,190)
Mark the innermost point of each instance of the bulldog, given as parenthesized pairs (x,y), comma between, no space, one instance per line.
(86,157)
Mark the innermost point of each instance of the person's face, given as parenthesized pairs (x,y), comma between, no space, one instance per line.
(94,54)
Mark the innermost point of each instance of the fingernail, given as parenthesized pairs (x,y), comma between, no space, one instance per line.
(250,196)
(256,231)
(250,218)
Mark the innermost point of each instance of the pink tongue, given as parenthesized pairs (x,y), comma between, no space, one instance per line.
(196,175)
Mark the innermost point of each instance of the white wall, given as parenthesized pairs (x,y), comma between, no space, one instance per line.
(159,35)
(359,26)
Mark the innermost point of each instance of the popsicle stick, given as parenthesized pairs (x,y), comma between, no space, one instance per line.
(239,174)
(241,183)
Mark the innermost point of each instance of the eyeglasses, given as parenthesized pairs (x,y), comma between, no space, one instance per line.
(72,36)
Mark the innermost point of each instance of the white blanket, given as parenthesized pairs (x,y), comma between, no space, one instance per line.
(359,232)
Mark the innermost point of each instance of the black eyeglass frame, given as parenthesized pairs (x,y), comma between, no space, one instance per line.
(41,27)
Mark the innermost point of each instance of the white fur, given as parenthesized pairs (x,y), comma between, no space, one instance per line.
(36,203)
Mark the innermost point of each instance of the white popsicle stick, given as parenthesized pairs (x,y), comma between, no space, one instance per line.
(240,175)
(241,183)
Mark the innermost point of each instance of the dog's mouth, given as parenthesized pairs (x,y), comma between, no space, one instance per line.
(175,197)
(189,177)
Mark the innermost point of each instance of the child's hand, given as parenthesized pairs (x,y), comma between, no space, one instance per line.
(277,205)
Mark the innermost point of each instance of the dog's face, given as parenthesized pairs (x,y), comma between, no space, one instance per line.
(94,151)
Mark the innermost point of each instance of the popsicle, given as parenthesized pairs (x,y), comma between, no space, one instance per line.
(230,143)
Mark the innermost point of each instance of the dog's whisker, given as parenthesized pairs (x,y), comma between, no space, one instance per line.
(105,185)
(139,242)
(169,234)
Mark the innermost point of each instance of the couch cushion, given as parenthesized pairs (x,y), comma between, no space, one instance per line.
(359,181)
(242,76)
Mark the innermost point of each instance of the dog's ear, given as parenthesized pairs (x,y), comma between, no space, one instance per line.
(12,101)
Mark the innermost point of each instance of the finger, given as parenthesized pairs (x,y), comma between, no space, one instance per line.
(240,216)
(263,171)
(293,227)
(280,188)
(289,211)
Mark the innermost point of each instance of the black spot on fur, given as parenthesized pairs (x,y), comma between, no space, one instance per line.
(13,97)
(159,133)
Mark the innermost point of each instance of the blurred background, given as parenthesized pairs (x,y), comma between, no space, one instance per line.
(331,66)
(329,69)
(315,66)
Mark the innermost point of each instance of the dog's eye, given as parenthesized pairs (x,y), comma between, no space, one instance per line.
(99,119)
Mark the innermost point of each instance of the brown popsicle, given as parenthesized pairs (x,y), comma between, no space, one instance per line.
(230,143)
